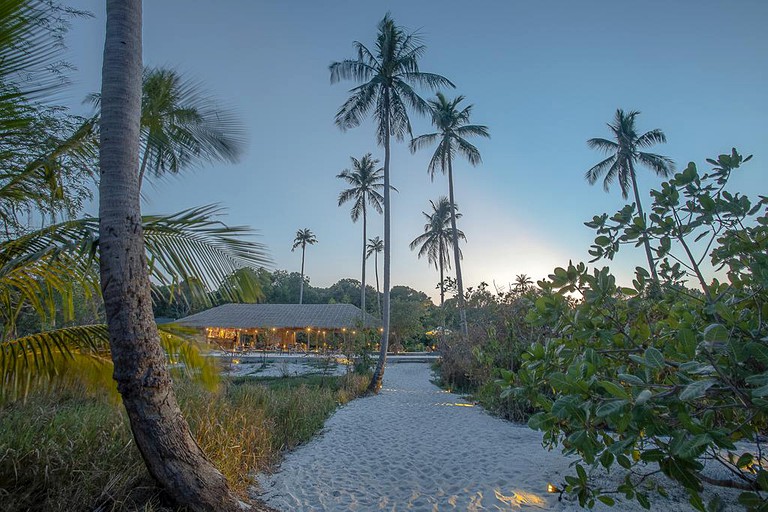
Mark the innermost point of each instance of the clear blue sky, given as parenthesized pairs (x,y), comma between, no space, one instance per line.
(544,76)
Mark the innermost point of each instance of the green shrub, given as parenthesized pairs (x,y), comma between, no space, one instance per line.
(655,377)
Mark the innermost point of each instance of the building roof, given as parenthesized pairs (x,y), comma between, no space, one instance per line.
(282,316)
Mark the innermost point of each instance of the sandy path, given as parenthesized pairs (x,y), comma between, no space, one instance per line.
(416,447)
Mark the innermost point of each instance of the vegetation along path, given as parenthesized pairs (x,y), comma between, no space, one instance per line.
(417,447)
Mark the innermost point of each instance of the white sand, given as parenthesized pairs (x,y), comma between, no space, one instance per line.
(416,447)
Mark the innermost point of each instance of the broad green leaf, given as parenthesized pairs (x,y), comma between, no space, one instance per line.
(696,389)
(607,500)
(716,333)
(643,397)
(654,358)
(610,407)
(631,379)
(614,389)
(760,392)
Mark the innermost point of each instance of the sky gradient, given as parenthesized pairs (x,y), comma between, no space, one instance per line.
(543,76)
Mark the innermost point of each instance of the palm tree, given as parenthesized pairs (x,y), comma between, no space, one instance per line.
(170,452)
(620,165)
(387,74)
(453,128)
(375,246)
(181,126)
(522,283)
(437,237)
(303,237)
(365,181)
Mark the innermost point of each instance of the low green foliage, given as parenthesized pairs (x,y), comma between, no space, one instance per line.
(68,451)
(657,377)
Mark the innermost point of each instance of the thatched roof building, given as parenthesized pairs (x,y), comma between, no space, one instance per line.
(282,316)
(280,326)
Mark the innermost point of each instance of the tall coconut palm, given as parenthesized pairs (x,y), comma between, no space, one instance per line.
(303,237)
(181,126)
(453,128)
(171,454)
(625,154)
(388,74)
(437,238)
(375,246)
(366,181)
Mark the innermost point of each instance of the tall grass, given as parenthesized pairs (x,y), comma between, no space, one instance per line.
(69,451)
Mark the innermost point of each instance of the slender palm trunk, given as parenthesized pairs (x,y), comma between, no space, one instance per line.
(362,281)
(646,242)
(301,284)
(442,273)
(162,435)
(456,253)
(442,294)
(378,374)
(378,294)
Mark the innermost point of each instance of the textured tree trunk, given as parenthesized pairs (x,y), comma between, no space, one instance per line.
(162,435)
(646,242)
(362,293)
(378,374)
(301,284)
(456,253)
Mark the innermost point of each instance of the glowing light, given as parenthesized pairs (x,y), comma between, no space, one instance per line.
(518,498)
(552,488)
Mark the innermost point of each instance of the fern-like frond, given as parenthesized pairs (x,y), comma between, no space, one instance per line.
(81,354)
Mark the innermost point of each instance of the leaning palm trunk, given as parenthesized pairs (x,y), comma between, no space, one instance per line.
(646,242)
(162,435)
(378,374)
(456,253)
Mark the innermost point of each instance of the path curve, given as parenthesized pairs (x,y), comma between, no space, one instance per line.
(417,447)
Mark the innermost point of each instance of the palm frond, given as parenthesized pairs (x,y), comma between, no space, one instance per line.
(356,70)
(604,145)
(193,244)
(650,138)
(594,173)
(356,108)
(470,152)
(661,165)
(82,354)
(423,141)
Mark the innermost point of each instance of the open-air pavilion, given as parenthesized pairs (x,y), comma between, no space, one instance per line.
(317,327)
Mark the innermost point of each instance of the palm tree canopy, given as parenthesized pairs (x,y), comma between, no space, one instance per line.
(375,245)
(437,234)
(181,126)
(387,73)
(303,237)
(366,181)
(625,151)
(452,123)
